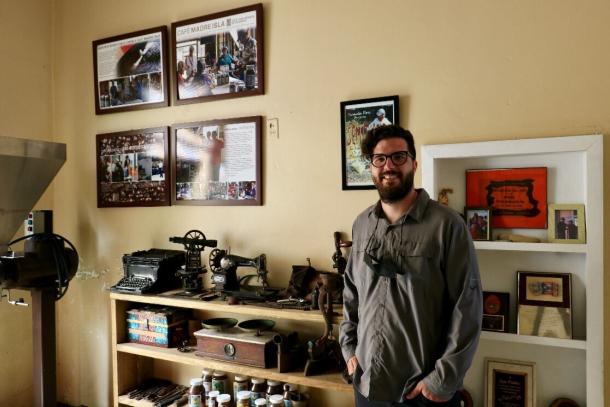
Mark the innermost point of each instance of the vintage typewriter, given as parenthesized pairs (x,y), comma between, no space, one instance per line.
(148,271)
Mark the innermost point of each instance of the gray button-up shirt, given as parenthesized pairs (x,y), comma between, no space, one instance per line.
(418,314)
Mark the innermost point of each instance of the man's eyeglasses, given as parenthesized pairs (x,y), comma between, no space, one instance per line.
(398,158)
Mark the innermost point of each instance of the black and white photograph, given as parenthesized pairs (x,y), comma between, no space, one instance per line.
(219,55)
(130,71)
(217,162)
(357,118)
(133,168)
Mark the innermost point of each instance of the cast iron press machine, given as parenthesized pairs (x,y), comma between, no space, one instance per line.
(46,265)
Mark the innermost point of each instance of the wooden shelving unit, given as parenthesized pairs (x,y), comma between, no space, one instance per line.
(125,355)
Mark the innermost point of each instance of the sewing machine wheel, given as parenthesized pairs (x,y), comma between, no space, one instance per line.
(196,235)
(215,256)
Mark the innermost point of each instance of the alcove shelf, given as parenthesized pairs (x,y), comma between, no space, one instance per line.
(564,367)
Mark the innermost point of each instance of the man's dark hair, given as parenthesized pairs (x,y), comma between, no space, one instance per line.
(379,133)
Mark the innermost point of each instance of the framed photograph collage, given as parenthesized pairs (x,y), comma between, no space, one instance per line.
(213,162)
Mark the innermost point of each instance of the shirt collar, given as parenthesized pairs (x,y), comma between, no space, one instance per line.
(417,209)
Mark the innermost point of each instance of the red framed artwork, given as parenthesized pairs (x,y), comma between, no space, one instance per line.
(516,196)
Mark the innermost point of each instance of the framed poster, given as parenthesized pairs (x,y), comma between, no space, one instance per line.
(495,311)
(132,168)
(217,162)
(219,56)
(510,383)
(478,221)
(357,118)
(130,71)
(517,196)
(567,223)
(545,304)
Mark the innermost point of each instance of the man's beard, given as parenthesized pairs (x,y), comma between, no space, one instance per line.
(391,194)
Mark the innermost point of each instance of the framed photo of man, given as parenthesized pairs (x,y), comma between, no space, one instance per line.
(217,162)
(130,71)
(219,56)
(133,168)
(357,118)
(567,223)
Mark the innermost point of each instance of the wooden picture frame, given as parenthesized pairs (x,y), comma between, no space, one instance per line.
(203,71)
(544,304)
(517,196)
(357,118)
(478,221)
(133,168)
(510,382)
(130,71)
(217,162)
(496,306)
(567,223)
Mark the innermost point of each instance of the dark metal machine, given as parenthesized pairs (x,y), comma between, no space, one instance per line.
(46,265)
(194,242)
(224,268)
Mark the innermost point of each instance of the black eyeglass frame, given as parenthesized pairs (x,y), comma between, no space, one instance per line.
(371,158)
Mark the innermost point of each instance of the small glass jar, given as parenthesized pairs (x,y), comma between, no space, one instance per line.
(243,398)
(206,376)
(240,383)
(223,400)
(257,389)
(260,402)
(211,398)
(196,393)
(273,387)
(276,400)
(220,382)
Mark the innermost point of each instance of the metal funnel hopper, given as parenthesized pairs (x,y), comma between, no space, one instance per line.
(27,168)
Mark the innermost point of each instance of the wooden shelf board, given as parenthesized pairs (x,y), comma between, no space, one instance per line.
(531,247)
(330,381)
(222,306)
(535,340)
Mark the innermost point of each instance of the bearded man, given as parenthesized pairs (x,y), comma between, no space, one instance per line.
(412,300)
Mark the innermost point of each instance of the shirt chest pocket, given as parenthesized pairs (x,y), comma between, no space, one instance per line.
(414,259)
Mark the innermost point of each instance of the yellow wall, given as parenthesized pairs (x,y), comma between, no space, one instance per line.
(25,112)
(465,71)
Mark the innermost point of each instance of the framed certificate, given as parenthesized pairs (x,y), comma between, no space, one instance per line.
(517,196)
(545,304)
(510,383)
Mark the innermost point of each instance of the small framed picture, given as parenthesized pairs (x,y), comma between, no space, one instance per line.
(544,304)
(219,56)
(133,168)
(567,223)
(357,118)
(130,71)
(510,383)
(495,311)
(217,162)
(478,220)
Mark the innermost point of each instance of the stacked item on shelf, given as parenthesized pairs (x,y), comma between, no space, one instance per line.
(159,326)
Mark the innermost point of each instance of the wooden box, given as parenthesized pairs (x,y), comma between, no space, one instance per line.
(236,346)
